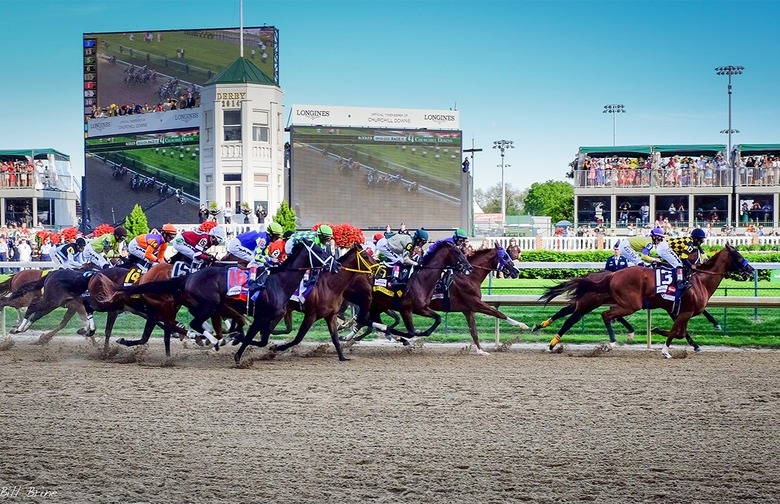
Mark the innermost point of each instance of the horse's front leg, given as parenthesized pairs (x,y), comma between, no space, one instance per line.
(679,330)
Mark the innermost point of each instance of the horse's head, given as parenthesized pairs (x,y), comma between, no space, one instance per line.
(505,264)
(312,256)
(739,264)
(448,255)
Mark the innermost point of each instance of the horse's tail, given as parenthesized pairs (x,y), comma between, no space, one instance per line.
(170,286)
(5,287)
(576,287)
(26,288)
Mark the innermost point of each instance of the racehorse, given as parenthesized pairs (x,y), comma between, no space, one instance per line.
(630,289)
(107,293)
(567,310)
(326,298)
(14,283)
(270,304)
(464,294)
(415,298)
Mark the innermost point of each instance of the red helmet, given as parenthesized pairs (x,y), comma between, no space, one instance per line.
(378,237)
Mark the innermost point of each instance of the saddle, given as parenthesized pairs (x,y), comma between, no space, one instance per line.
(385,285)
(442,288)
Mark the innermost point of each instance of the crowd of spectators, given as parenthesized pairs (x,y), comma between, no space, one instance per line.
(758,170)
(17,174)
(185,101)
(655,171)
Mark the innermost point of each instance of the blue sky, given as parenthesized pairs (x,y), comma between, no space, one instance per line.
(535,72)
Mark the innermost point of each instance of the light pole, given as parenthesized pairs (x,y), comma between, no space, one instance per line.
(731,70)
(466,167)
(503,145)
(614,109)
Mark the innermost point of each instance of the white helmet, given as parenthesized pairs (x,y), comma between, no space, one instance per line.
(218,233)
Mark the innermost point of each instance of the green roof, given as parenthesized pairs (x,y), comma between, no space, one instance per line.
(689,150)
(39,153)
(758,148)
(622,151)
(241,71)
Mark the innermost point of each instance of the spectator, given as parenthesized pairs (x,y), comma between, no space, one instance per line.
(203,213)
(25,251)
(228,213)
(46,248)
(261,214)
(514,251)
(3,252)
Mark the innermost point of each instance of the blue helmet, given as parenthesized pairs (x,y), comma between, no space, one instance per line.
(657,232)
(698,234)
(421,234)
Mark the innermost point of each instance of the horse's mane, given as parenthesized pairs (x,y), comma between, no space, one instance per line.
(437,247)
(710,263)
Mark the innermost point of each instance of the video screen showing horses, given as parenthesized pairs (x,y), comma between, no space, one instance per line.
(374,177)
(150,68)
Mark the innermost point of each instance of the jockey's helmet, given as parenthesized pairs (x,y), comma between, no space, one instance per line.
(420,235)
(325,231)
(460,234)
(275,229)
(219,234)
(657,232)
(169,228)
(378,237)
(120,233)
(81,242)
(698,235)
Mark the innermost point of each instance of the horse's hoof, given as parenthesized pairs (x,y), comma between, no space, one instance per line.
(612,344)
(697,349)
(536,327)
(81,332)
(718,327)
(121,341)
(666,353)
(630,337)
(404,341)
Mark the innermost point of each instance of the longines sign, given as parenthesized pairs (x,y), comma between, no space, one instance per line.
(324,115)
(142,123)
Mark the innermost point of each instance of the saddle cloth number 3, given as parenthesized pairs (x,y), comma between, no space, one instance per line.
(663,279)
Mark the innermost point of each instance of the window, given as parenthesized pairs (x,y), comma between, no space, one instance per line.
(259,133)
(232,125)
(231,177)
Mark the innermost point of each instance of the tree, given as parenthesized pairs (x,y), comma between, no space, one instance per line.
(136,223)
(552,198)
(490,199)
(286,217)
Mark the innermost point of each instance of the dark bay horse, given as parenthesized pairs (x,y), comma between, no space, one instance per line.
(631,289)
(13,284)
(415,298)
(327,296)
(271,303)
(108,293)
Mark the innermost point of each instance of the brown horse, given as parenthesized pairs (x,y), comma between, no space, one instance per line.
(326,297)
(108,293)
(415,297)
(631,289)
(464,292)
(13,284)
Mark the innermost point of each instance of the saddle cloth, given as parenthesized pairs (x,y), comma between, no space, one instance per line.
(237,279)
(664,283)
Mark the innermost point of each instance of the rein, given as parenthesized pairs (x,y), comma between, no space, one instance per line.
(362,262)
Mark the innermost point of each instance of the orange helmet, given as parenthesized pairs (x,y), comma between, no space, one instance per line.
(169,228)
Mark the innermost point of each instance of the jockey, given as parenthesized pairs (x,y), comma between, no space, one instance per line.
(268,253)
(69,256)
(397,250)
(150,248)
(636,249)
(107,246)
(372,247)
(321,237)
(459,239)
(683,247)
(245,245)
(191,246)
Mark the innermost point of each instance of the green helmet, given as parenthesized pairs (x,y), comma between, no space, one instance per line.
(421,234)
(460,234)
(326,231)
(275,228)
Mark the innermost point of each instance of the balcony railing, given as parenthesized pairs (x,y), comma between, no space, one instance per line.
(661,177)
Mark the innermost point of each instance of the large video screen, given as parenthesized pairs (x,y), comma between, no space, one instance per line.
(375,177)
(171,158)
(151,68)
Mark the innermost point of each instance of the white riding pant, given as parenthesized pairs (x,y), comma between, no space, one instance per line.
(234,247)
(668,255)
(91,256)
(631,255)
(135,250)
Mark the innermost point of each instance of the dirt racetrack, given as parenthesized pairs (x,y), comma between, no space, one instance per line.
(429,424)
